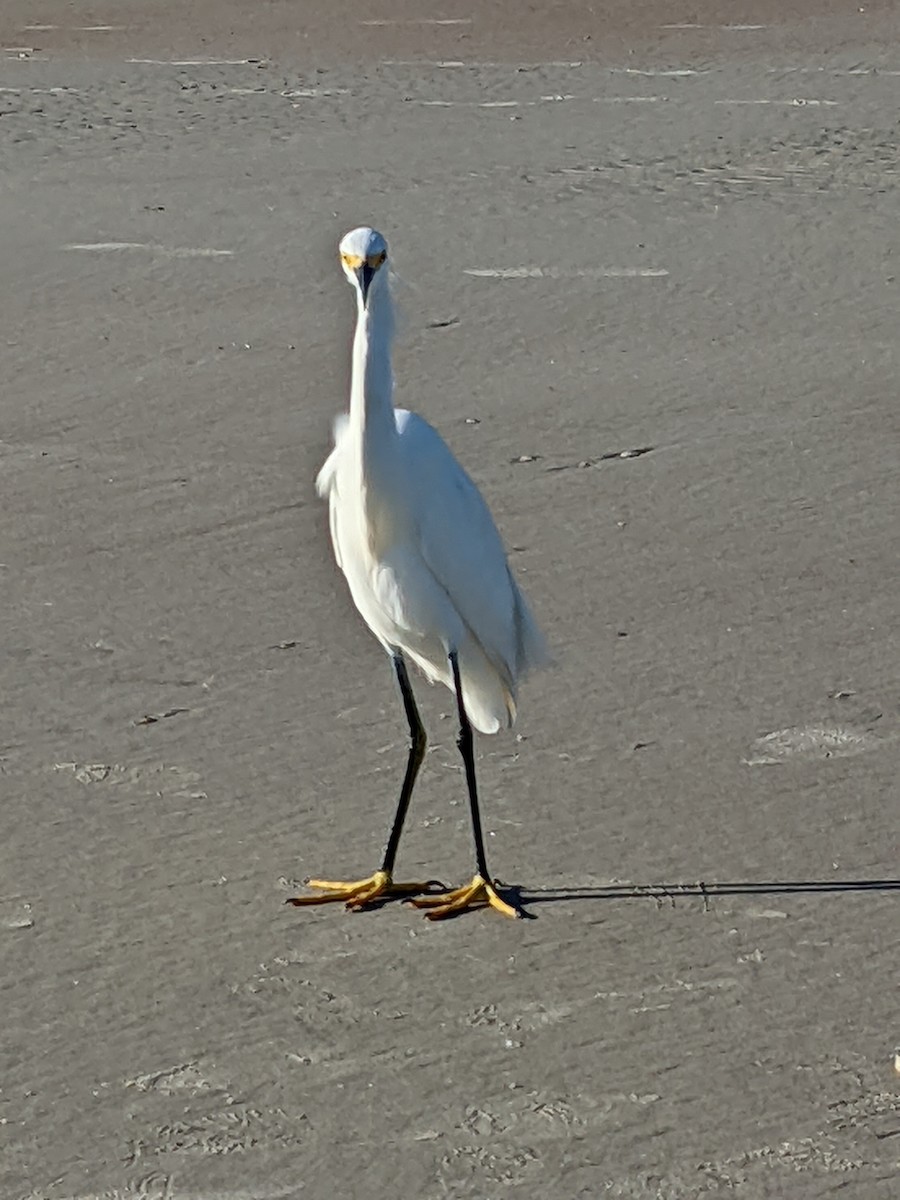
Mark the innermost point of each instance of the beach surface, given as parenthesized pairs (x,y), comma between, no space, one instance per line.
(647,262)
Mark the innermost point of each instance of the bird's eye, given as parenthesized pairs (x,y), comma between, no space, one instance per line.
(375,260)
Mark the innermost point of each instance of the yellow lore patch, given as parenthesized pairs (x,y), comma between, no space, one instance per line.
(353,262)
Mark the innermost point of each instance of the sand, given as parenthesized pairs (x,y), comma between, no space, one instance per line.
(612,236)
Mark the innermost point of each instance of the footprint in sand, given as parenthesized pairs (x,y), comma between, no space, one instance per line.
(812,742)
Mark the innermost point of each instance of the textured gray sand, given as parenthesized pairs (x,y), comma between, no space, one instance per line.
(724,607)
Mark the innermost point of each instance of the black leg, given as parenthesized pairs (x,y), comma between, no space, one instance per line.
(465,742)
(482,890)
(417,742)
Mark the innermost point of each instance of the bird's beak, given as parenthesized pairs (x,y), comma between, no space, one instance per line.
(365,274)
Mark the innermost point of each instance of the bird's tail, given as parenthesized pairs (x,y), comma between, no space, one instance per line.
(490,686)
(532,651)
(489,695)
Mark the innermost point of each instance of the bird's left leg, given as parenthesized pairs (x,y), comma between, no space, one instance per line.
(482,891)
(358,894)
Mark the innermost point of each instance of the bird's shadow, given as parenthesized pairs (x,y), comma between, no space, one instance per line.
(667,893)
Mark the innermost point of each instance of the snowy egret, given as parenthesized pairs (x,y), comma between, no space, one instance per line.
(427,570)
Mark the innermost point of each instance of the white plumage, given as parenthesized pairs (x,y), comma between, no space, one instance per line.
(423,559)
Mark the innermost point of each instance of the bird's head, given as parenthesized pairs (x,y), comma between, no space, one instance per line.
(363,254)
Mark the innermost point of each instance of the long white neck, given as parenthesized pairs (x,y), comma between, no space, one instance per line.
(372,383)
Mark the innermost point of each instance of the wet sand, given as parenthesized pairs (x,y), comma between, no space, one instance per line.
(611,237)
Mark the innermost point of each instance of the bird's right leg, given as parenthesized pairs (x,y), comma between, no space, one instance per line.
(358,894)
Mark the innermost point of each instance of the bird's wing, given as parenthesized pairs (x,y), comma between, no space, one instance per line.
(326,480)
(462,547)
(325,477)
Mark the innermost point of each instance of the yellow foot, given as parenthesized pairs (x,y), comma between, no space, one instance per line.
(477,894)
(358,895)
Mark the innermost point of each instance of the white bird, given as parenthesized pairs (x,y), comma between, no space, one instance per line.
(427,570)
